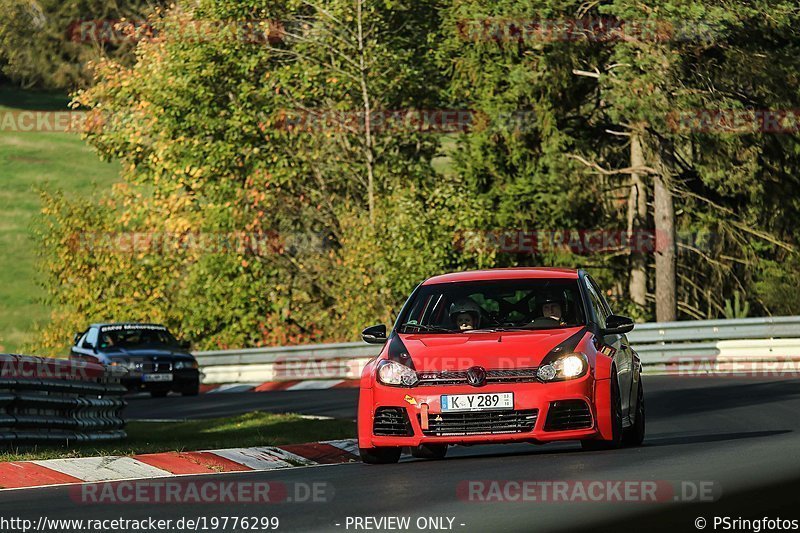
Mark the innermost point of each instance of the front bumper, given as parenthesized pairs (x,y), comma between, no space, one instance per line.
(527,397)
(183,380)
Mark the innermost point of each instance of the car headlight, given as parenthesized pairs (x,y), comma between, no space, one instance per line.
(179,365)
(564,367)
(124,363)
(393,373)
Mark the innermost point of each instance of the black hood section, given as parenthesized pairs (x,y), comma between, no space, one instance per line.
(566,346)
(164,354)
(397,352)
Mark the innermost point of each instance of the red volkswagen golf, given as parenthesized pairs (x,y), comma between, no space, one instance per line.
(499,356)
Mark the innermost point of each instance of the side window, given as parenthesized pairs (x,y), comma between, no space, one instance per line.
(82,339)
(597,304)
(90,340)
(602,297)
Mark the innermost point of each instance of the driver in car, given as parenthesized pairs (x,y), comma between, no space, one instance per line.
(551,308)
(466,314)
(106,341)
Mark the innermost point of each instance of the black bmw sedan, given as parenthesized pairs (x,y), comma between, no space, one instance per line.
(156,361)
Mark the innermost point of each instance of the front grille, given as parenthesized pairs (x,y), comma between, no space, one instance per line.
(481,423)
(391,422)
(511,375)
(568,414)
(441,378)
(150,367)
(515,375)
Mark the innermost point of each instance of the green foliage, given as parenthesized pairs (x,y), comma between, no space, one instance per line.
(735,308)
(587,95)
(287,138)
(42,42)
(776,285)
(194,127)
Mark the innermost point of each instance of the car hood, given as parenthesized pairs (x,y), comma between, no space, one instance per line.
(514,349)
(166,354)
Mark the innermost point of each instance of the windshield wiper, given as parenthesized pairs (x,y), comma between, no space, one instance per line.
(425,327)
(498,328)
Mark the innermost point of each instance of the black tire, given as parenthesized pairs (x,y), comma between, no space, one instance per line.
(616,424)
(634,435)
(379,456)
(429,451)
(159,393)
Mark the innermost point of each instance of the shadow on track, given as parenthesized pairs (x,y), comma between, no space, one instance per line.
(715,394)
(573,447)
(678,440)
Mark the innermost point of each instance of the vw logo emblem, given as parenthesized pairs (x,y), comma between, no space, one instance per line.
(476,376)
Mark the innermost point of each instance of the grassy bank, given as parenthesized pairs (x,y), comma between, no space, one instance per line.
(251,429)
(31,160)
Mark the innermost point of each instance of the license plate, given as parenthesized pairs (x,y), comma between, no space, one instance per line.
(477,402)
(157,377)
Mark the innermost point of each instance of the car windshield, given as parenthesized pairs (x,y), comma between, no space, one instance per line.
(135,338)
(523,304)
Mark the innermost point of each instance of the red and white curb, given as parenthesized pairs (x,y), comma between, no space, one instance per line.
(29,474)
(306,384)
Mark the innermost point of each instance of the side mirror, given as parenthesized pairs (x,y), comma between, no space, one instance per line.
(76,338)
(617,325)
(374,334)
(185,345)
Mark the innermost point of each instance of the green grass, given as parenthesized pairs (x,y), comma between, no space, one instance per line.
(251,429)
(31,160)
(443,163)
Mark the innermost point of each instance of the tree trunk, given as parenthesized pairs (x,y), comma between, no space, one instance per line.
(365,95)
(666,289)
(637,218)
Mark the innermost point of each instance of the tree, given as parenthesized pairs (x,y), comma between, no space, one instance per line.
(606,80)
(518,57)
(695,65)
(51,43)
(207,134)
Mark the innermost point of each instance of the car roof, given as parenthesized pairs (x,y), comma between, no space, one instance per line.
(125,324)
(505,273)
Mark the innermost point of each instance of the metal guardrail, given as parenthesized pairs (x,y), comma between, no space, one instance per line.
(59,401)
(251,356)
(659,345)
(715,330)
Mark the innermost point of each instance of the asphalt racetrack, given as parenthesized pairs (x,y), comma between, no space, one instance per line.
(336,403)
(735,439)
